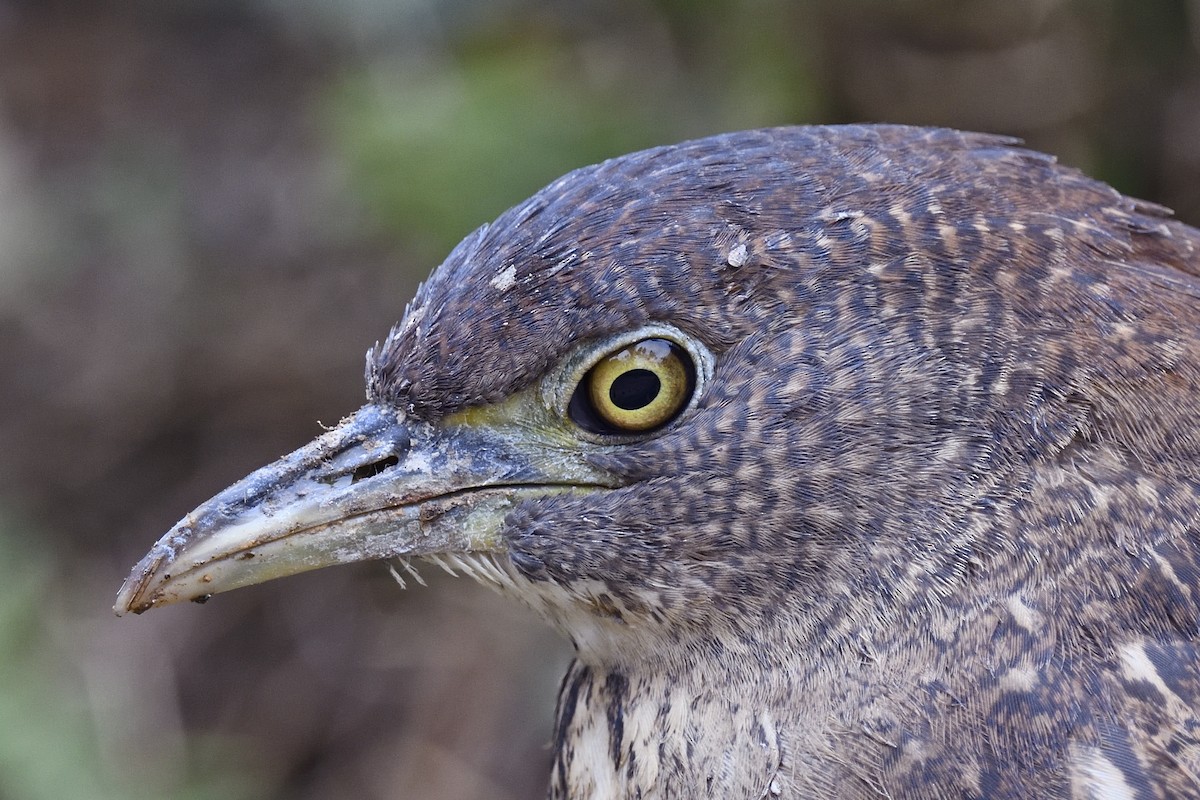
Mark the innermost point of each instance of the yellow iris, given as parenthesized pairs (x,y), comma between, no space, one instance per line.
(641,386)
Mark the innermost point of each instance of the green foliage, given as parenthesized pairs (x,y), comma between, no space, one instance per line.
(436,153)
(51,739)
(438,143)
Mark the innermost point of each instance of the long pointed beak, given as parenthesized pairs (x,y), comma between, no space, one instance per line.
(377,486)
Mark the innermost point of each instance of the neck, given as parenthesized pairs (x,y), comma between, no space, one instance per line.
(751,720)
(757,711)
(626,734)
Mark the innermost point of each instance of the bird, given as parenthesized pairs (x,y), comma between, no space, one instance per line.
(854,461)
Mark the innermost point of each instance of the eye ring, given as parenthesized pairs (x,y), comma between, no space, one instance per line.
(635,389)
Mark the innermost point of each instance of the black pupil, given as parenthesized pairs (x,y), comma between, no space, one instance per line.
(634,389)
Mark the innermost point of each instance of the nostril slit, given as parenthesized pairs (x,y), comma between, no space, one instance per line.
(373,469)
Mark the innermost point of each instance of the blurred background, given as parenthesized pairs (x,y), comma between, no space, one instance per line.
(209,209)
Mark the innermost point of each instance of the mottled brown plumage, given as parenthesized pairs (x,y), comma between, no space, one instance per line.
(927,528)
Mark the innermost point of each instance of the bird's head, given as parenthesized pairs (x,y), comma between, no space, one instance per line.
(694,392)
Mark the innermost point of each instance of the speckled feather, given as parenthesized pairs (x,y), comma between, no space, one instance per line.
(931,529)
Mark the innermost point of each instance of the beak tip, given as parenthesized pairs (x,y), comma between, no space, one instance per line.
(132,596)
(124,606)
(126,602)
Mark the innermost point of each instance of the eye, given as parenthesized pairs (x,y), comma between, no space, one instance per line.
(635,389)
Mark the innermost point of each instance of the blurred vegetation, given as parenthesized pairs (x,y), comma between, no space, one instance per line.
(438,146)
(210,208)
(431,176)
(53,744)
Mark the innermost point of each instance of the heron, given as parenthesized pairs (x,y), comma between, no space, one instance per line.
(854,461)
